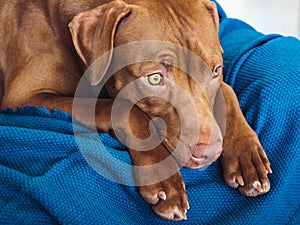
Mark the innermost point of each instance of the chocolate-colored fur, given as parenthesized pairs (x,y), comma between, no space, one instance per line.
(47,45)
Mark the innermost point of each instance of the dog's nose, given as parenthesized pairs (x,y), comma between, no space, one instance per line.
(209,141)
(208,147)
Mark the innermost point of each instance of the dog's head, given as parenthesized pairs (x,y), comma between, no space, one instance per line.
(171,59)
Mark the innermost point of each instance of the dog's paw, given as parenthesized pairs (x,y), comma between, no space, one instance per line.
(246,167)
(168,198)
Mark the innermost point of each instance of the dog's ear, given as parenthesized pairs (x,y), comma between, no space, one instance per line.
(212,8)
(93,35)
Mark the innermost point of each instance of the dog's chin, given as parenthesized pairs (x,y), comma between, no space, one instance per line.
(200,163)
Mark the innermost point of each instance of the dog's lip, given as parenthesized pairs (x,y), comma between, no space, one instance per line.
(192,161)
(198,163)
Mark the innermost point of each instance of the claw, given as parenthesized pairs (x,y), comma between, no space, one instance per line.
(173,215)
(184,217)
(266,187)
(188,205)
(258,187)
(240,180)
(269,170)
(162,195)
(179,215)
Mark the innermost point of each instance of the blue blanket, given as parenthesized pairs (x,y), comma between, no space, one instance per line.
(45,179)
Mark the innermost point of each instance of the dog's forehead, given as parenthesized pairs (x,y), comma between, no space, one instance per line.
(185,23)
(170,18)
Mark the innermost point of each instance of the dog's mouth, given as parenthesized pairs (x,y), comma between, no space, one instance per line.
(198,157)
(201,163)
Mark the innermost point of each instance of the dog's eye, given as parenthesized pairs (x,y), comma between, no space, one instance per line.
(217,71)
(155,79)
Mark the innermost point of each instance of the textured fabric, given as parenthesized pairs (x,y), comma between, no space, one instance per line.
(45,179)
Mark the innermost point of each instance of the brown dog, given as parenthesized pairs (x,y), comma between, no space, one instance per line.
(42,63)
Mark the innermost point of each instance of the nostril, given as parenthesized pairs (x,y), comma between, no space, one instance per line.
(204,157)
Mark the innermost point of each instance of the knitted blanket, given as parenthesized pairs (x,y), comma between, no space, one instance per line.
(45,179)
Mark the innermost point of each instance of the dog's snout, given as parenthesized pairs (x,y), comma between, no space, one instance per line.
(208,147)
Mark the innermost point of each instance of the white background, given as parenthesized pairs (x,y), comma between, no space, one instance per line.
(267,16)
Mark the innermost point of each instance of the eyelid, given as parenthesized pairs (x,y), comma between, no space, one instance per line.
(155,72)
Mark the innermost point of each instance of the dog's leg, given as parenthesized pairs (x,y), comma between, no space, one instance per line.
(245,164)
(155,171)
(102,108)
(159,183)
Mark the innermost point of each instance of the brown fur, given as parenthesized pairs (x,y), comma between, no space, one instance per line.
(42,62)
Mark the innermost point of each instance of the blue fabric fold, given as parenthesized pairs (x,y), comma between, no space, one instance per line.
(46,179)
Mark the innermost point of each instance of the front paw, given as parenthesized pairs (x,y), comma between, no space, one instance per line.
(246,166)
(168,198)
